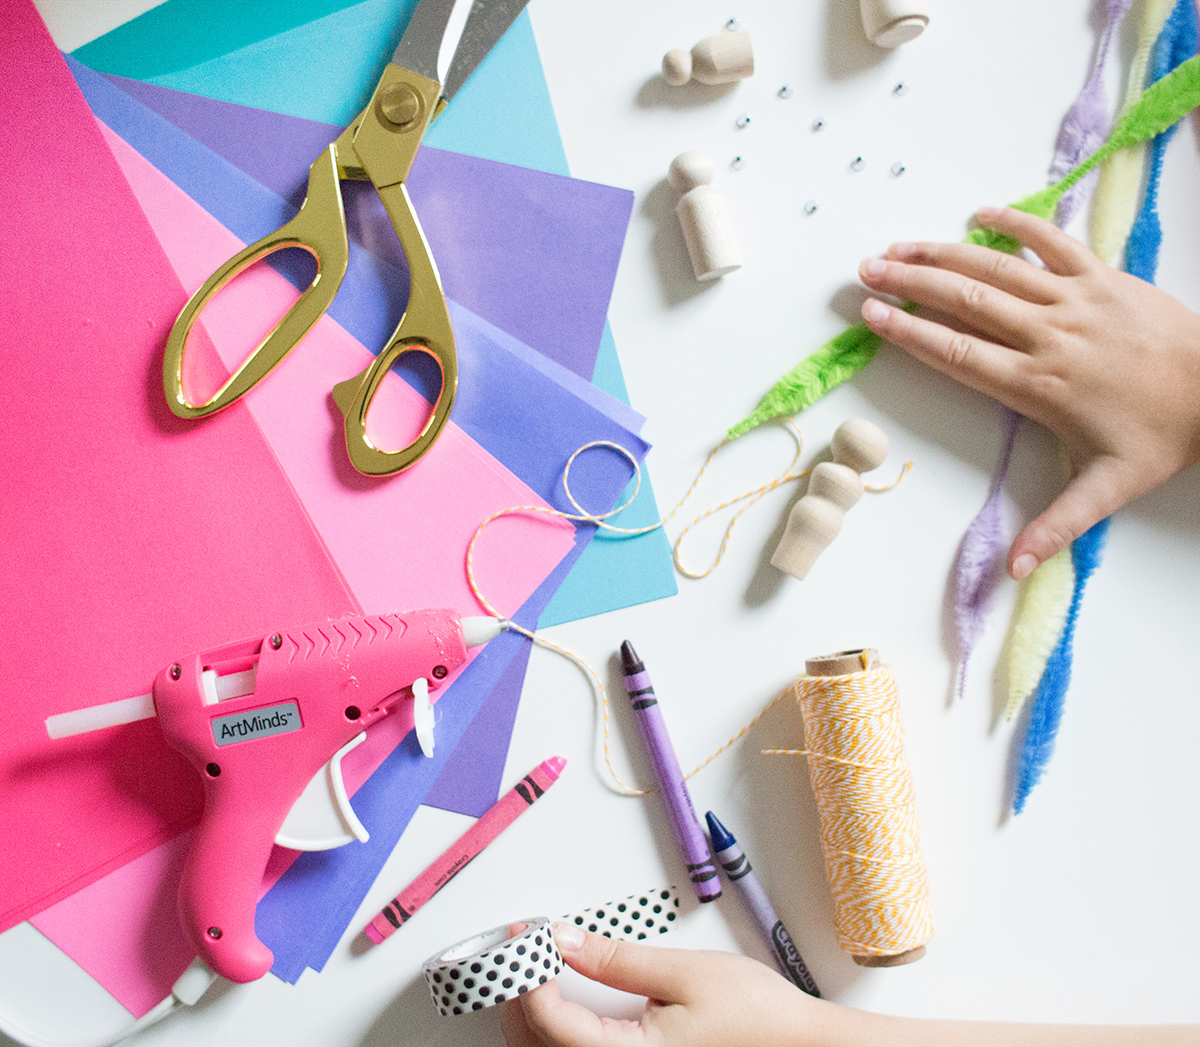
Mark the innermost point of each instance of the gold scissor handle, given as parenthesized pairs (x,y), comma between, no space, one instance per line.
(320,229)
(424,327)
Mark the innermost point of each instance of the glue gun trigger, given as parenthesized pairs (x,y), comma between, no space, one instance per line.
(423,715)
(322,818)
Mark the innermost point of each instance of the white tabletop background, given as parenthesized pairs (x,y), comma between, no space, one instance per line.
(1084,908)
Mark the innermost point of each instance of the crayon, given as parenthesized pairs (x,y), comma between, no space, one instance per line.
(460,853)
(737,865)
(682,815)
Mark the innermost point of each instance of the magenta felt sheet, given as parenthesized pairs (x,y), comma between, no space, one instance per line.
(123,530)
(431,510)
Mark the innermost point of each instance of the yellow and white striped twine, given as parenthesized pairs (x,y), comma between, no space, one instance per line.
(581,515)
(867,809)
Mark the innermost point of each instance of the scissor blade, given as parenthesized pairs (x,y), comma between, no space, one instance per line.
(421,44)
(487,22)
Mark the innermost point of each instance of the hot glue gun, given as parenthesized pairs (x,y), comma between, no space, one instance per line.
(266,722)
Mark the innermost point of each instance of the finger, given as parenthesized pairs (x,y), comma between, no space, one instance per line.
(661,974)
(997,313)
(560,1023)
(974,361)
(1003,271)
(1094,493)
(1062,254)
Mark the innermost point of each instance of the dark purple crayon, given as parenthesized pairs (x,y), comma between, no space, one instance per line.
(737,865)
(680,812)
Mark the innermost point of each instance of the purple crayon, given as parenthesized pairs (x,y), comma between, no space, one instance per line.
(680,812)
(737,865)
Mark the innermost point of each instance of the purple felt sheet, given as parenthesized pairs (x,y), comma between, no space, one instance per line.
(481,218)
(471,777)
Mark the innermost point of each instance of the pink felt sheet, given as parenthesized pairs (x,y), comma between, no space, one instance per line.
(128,537)
(399,541)
(372,529)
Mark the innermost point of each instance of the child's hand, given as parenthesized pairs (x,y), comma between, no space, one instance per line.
(696,999)
(1107,362)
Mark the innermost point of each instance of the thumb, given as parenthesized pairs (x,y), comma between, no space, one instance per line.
(1095,492)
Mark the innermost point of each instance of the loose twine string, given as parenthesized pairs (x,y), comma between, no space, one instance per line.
(581,515)
(867,809)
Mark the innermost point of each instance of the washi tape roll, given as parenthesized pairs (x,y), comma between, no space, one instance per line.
(492,967)
(633,919)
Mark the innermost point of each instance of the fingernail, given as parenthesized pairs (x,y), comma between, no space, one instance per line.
(875,312)
(988,212)
(872,267)
(903,250)
(1023,565)
(568,937)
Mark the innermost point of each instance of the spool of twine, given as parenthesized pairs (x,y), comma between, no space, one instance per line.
(867,807)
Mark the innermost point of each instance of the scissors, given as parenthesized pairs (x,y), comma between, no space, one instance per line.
(379,146)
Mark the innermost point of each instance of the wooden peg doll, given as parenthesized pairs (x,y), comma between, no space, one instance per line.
(721,59)
(890,23)
(707,228)
(833,487)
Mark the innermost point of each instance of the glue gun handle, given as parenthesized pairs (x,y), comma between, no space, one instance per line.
(221,882)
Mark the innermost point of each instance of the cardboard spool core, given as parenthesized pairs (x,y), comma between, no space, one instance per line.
(841,664)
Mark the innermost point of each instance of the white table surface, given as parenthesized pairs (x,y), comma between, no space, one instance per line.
(1084,908)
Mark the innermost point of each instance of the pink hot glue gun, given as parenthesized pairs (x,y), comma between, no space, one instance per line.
(266,723)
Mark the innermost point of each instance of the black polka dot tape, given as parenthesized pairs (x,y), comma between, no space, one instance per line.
(632,919)
(523,962)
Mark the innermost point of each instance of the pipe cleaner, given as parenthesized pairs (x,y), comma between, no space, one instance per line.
(1177,43)
(1037,626)
(1115,201)
(1087,121)
(980,561)
(1046,712)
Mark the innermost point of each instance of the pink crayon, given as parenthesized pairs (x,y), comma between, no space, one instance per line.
(460,853)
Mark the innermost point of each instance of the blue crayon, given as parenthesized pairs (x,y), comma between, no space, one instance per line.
(682,815)
(737,865)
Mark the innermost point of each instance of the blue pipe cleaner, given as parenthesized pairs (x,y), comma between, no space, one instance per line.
(1178,41)
(1176,44)
(1046,713)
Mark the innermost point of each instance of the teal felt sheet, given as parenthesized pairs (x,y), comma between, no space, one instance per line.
(277,57)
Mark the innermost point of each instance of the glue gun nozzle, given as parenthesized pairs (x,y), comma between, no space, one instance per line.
(479,630)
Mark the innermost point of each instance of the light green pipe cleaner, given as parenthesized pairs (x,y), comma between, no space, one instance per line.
(1163,104)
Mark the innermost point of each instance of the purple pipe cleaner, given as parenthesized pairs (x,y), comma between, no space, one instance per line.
(1086,124)
(981,557)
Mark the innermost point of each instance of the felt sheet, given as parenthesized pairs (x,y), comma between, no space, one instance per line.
(399,541)
(511,243)
(123,529)
(324,69)
(192,36)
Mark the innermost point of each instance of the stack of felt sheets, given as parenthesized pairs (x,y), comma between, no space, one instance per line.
(138,165)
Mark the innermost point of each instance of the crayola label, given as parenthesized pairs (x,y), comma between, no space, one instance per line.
(258,723)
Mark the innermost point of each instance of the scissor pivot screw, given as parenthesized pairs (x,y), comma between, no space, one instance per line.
(400,105)
(176,671)
(276,641)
